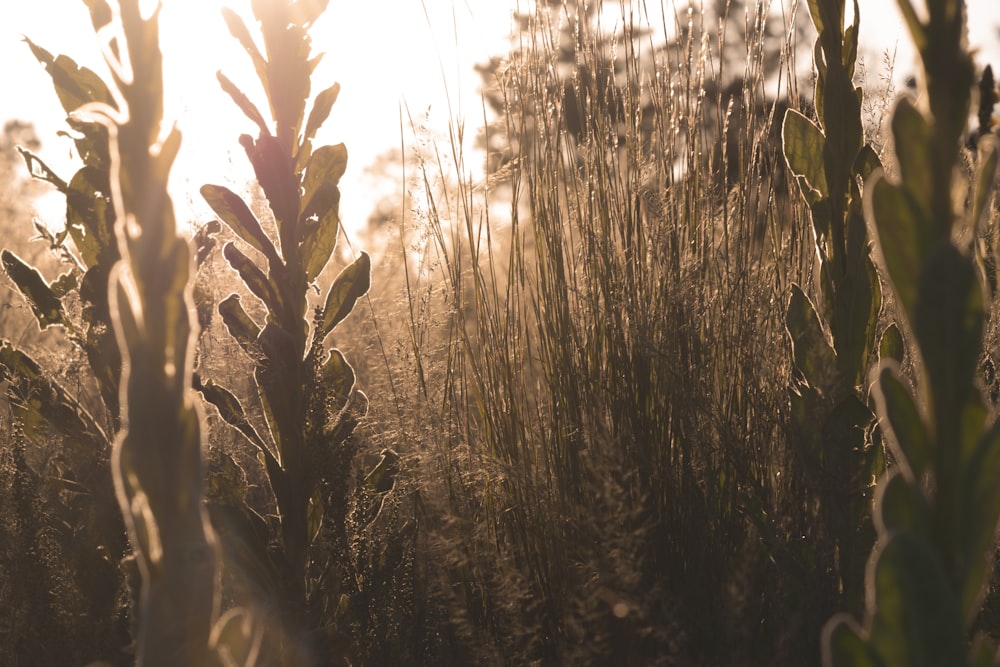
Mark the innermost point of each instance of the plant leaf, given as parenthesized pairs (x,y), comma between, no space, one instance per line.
(240,325)
(277,389)
(40,403)
(321,110)
(74,85)
(277,178)
(337,376)
(238,29)
(233,211)
(803,147)
(903,422)
(844,645)
(254,278)
(231,411)
(243,102)
(814,357)
(916,620)
(352,284)
(45,305)
(896,221)
(892,345)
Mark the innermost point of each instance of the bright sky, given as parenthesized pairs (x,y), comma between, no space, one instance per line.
(383,52)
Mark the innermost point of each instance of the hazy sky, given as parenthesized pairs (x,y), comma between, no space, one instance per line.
(383,52)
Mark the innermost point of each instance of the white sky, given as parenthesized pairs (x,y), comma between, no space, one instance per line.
(383,52)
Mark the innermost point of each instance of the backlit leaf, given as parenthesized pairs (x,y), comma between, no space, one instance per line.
(233,211)
(253,277)
(917,619)
(352,284)
(814,357)
(803,147)
(321,110)
(240,325)
(45,305)
(903,421)
(243,102)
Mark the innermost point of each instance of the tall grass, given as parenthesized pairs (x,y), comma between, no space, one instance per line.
(601,366)
(583,362)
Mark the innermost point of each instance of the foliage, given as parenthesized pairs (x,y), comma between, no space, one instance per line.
(157,454)
(597,390)
(76,486)
(937,508)
(307,392)
(829,395)
(582,446)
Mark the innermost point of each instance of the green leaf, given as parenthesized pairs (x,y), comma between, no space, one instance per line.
(866,163)
(45,305)
(903,422)
(74,85)
(978,515)
(276,175)
(857,301)
(248,108)
(65,284)
(382,477)
(915,154)
(352,284)
(916,617)
(233,211)
(279,392)
(320,235)
(100,343)
(40,403)
(337,376)
(254,278)
(90,217)
(803,148)
(319,222)
(985,179)
(814,357)
(240,325)
(948,323)
(892,345)
(231,411)
(325,168)
(321,110)
(898,224)
(844,644)
(238,29)
(899,506)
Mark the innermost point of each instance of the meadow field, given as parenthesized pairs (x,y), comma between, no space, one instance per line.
(703,371)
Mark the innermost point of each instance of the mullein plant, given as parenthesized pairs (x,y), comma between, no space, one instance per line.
(833,341)
(306,391)
(91,531)
(156,458)
(936,509)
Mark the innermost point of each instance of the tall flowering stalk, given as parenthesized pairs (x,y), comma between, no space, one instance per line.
(157,456)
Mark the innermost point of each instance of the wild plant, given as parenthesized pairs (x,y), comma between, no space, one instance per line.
(597,384)
(936,509)
(306,391)
(156,459)
(834,343)
(93,537)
